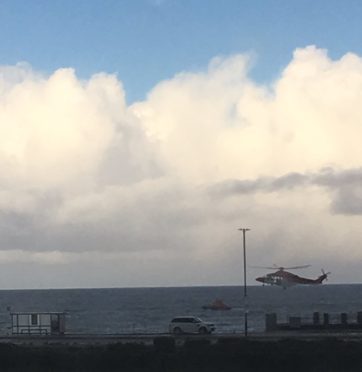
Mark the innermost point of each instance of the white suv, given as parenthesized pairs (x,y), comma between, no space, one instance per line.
(190,324)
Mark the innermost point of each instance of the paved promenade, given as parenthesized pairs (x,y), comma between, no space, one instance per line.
(148,339)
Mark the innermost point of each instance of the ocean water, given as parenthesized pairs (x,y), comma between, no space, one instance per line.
(149,310)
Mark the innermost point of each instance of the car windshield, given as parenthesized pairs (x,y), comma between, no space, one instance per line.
(197,320)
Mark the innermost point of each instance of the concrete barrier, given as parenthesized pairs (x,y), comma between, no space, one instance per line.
(270,322)
(359,317)
(326,319)
(316,320)
(344,319)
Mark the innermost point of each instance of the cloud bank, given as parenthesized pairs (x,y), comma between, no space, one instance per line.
(102,193)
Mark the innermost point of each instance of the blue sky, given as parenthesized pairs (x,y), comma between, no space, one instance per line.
(146,41)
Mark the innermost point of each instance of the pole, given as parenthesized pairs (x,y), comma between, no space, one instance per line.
(244,230)
(244,251)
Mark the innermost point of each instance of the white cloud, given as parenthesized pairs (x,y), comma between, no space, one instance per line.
(86,179)
(238,128)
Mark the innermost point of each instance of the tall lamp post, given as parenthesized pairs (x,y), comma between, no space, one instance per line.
(244,230)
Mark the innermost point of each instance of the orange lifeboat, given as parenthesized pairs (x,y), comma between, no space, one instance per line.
(217,305)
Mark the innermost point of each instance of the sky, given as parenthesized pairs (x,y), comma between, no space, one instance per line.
(136,137)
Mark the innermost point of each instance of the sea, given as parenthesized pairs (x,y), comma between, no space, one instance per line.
(149,310)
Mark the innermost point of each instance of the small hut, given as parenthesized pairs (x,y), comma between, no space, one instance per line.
(38,323)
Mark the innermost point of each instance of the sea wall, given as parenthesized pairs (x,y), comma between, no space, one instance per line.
(228,354)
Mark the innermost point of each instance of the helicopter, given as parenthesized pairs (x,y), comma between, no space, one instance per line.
(286,279)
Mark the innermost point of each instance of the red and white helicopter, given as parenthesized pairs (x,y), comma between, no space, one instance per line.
(286,279)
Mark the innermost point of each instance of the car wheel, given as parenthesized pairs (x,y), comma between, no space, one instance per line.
(177,331)
(202,331)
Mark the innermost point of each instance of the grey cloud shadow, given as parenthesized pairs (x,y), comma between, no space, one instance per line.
(345,187)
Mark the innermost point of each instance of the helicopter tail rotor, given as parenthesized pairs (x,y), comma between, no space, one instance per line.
(325,274)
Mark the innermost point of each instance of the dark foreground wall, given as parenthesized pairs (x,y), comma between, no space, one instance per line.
(195,355)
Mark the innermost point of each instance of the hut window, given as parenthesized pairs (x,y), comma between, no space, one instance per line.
(34,319)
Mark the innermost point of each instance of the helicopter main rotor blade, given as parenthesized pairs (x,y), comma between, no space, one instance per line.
(275,267)
(297,267)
